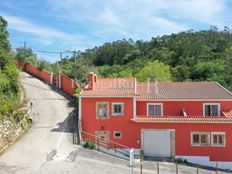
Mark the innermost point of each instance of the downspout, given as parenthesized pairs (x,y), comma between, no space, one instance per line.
(59,76)
(134,107)
(134,100)
(79,120)
(51,78)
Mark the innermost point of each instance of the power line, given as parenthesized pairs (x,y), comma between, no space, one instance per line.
(50,52)
(45,51)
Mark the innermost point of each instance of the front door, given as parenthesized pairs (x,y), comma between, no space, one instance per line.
(102,138)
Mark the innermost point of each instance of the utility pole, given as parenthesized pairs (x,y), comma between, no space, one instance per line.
(75,57)
(61,61)
(24,54)
(24,49)
(60,71)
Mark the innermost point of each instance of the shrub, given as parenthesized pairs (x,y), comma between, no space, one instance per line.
(78,90)
(89,145)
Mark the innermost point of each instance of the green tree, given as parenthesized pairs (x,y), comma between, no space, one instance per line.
(43,65)
(9,87)
(154,71)
(26,55)
(208,71)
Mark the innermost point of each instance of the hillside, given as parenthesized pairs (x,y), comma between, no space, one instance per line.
(186,56)
(9,75)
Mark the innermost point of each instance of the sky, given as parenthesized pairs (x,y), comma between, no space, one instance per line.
(59,25)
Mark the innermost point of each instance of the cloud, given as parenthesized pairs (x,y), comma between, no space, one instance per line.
(91,23)
(49,34)
(206,11)
(139,19)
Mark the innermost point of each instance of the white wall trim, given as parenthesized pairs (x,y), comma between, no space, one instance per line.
(123,108)
(219,109)
(106,96)
(187,100)
(205,161)
(224,88)
(200,133)
(118,132)
(161,104)
(134,107)
(218,133)
(79,109)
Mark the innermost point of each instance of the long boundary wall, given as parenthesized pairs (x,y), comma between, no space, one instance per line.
(66,84)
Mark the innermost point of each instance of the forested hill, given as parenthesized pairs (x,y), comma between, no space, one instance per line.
(186,56)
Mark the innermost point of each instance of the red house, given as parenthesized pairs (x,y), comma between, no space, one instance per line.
(188,120)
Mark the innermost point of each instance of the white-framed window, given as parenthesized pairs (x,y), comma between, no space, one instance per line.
(200,138)
(211,109)
(218,139)
(117,134)
(102,110)
(118,109)
(155,109)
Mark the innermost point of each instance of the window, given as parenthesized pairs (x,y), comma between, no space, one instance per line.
(154,109)
(102,110)
(211,109)
(218,139)
(117,134)
(117,108)
(200,139)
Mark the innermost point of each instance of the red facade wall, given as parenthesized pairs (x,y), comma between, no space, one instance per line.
(115,123)
(173,108)
(131,131)
(68,84)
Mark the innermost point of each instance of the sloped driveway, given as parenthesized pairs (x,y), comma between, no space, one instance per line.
(48,147)
(50,136)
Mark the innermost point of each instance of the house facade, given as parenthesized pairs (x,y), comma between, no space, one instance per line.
(187,120)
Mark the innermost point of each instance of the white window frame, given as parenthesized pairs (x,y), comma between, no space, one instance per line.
(161,104)
(200,133)
(107,107)
(219,109)
(218,133)
(115,132)
(117,114)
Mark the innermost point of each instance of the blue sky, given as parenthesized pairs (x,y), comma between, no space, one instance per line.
(58,25)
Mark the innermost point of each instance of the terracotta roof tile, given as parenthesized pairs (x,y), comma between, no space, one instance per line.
(228,113)
(181,90)
(181,119)
(120,87)
(123,87)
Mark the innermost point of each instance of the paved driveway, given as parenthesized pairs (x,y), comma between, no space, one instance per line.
(51,133)
(48,146)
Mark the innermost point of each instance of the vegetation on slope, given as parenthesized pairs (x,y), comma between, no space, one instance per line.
(9,87)
(186,56)
(27,56)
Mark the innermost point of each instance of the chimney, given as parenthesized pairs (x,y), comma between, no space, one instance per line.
(92,78)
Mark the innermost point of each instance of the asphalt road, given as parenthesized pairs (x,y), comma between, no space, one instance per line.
(48,147)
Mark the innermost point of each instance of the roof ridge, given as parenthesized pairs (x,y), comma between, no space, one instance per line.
(174,82)
(218,84)
(116,78)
